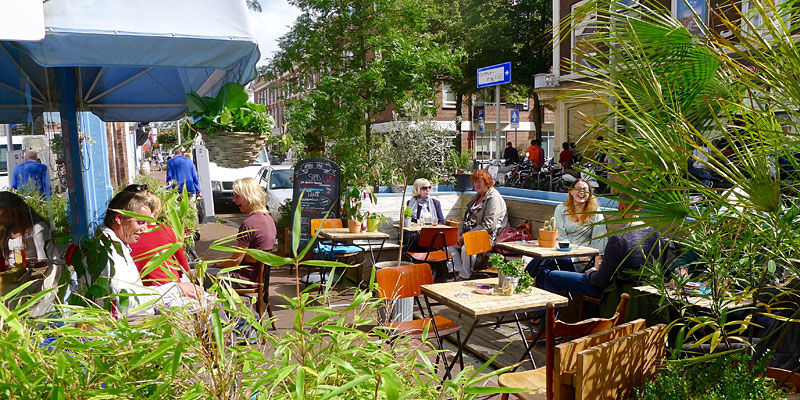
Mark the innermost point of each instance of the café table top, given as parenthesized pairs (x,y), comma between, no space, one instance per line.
(414,227)
(531,248)
(489,305)
(344,234)
(697,301)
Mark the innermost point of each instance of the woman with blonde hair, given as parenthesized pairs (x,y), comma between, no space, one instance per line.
(157,236)
(422,204)
(577,220)
(256,232)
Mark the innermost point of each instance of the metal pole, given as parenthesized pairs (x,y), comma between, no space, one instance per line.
(78,207)
(497,128)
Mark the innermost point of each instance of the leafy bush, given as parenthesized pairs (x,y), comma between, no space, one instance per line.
(53,209)
(229,111)
(723,377)
(328,354)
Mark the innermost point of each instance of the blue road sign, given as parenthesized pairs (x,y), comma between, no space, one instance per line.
(494,75)
(480,114)
(515,119)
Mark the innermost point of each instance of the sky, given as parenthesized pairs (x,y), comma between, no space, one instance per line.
(270,24)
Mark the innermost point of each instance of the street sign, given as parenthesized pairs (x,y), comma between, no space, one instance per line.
(515,119)
(480,114)
(480,126)
(494,75)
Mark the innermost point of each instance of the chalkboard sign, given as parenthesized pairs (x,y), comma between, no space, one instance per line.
(320,179)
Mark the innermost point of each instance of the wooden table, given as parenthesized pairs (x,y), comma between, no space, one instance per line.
(531,248)
(696,301)
(344,235)
(481,307)
(414,227)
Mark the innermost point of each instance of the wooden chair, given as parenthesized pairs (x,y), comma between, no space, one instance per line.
(436,240)
(613,369)
(405,281)
(541,380)
(478,242)
(261,290)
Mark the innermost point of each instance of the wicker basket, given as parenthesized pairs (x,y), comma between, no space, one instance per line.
(234,149)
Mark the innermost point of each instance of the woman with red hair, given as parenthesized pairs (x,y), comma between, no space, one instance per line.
(485,211)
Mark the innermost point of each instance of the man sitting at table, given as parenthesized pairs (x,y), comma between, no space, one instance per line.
(625,253)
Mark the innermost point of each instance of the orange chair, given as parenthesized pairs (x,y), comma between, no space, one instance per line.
(331,247)
(405,281)
(478,242)
(436,240)
(543,377)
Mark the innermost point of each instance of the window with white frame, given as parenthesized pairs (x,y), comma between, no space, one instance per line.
(751,13)
(582,31)
(448,96)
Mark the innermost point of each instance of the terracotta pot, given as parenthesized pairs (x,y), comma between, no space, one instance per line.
(548,238)
(354,226)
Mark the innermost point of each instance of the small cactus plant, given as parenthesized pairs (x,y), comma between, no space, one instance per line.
(550,225)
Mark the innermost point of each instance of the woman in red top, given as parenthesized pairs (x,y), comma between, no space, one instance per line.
(565,157)
(157,236)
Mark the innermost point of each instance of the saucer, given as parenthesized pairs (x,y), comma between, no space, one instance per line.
(565,249)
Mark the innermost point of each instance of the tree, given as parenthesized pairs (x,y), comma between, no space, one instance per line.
(494,31)
(364,57)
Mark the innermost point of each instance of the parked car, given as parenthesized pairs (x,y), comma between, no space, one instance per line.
(277,182)
(222,178)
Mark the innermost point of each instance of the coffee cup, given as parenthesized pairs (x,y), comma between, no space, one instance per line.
(563,244)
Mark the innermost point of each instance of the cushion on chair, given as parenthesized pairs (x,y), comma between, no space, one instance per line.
(327,251)
(535,380)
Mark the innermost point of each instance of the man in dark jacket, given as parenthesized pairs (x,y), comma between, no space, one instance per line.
(625,253)
(511,154)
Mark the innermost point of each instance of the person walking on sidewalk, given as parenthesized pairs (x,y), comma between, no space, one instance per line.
(31,175)
(181,173)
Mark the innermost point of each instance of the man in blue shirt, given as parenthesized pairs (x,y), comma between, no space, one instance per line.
(31,175)
(181,172)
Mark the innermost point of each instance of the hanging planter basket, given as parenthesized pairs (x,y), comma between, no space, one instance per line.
(234,149)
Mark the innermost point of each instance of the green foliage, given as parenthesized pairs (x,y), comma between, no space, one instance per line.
(352,201)
(54,210)
(513,268)
(229,111)
(364,57)
(726,102)
(457,161)
(550,224)
(328,353)
(724,377)
(285,220)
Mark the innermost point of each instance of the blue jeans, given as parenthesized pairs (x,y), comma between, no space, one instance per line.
(574,282)
(536,267)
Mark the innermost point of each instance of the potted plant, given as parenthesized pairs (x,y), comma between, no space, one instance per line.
(459,162)
(234,130)
(352,207)
(374,220)
(548,234)
(407,216)
(398,181)
(435,180)
(511,274)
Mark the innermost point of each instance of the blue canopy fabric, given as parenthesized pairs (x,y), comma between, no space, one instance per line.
(134,60)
